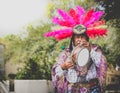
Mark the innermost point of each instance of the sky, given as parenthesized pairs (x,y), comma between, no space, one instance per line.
(14,14)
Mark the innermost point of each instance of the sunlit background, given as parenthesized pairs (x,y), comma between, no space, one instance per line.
(14,14)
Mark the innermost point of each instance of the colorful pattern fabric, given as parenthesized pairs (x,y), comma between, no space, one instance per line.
(90,87)
(62,81)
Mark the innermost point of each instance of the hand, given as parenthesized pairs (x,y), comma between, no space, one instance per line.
(67,65)
(85,43)
(84,71)
(102,83)
(74,58)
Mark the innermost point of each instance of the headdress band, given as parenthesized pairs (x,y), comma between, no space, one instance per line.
(79,29)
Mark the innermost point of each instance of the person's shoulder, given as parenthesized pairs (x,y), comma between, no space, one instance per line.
(65,52)
(96,47)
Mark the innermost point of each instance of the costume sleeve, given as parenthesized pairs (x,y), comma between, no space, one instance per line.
(57,71)
(102,71)
(101,64)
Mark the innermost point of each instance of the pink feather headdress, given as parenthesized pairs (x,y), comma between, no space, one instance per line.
(78,16)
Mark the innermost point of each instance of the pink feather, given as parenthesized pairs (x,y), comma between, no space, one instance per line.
(98,23)
(96,16)
(96,32)
(48,34)
(66,23)
(74,14)
(88,16)
(90,21)
(80,12)
(63,35)
(56,20)
(66,16)
(58,32)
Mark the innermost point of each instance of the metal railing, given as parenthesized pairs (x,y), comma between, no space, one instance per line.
(4,87)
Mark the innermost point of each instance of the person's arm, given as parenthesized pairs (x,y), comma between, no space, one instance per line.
(57,71)
(102,71)
(101,64)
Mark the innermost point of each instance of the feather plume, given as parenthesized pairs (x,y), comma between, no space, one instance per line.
(96,32)
(68,20)
(74,14)
(88,16)
(98,23)
(80,12)
(59,33)
(95,17)
(66,16)
(56,20)
(64,35)
(98,27)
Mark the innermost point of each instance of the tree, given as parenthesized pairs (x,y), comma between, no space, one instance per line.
(111,8)
(32,49)
(12,47)
(112,15)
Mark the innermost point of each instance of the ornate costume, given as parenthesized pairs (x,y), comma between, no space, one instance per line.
(90,78)
(70,78)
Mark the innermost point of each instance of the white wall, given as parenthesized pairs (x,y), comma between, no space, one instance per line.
(33,86)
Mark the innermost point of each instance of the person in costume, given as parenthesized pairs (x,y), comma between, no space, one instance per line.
(68,75)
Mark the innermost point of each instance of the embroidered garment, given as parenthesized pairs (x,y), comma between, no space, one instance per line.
(65,81)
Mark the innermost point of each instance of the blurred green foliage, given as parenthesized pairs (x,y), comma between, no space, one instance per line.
(112,16)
